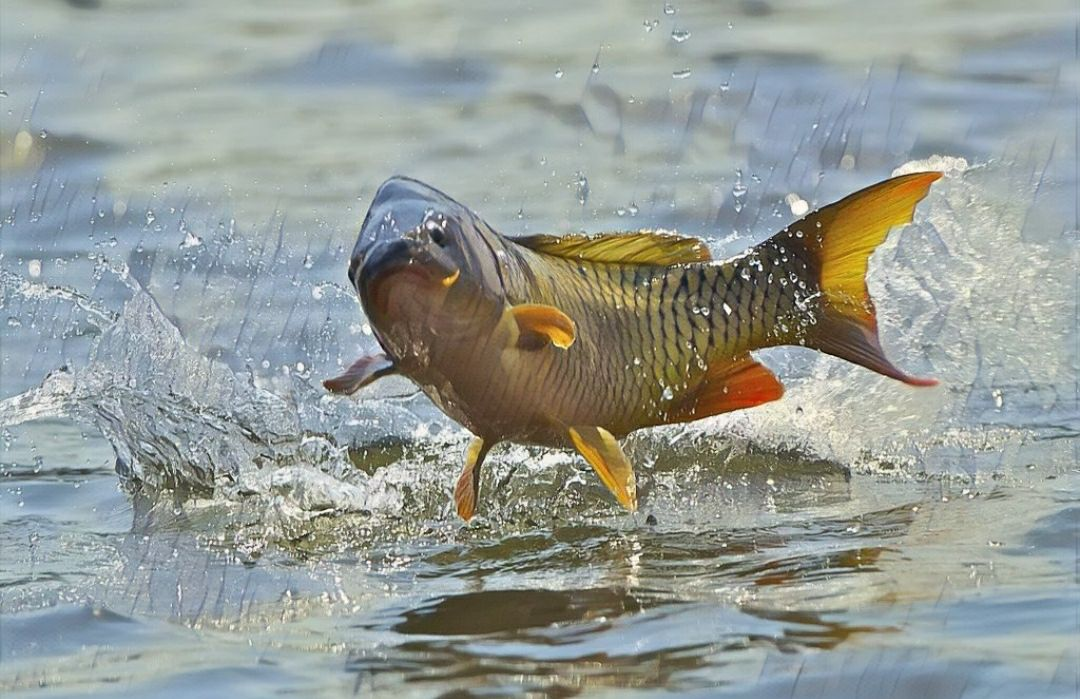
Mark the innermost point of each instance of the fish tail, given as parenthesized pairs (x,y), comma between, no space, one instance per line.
(835,244)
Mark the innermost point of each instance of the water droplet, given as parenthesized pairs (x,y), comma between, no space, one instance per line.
(190,240)
(669,9)
(23,144)
(558,73)
(745,273)
(681,74)
(798,207)
(668,393)
(150,217)
(727,308)
(999,398)
(632,209)
(738,191)
(308,262)
(33,268)
(581,187)
(43,134)
(680,35)
(650,24)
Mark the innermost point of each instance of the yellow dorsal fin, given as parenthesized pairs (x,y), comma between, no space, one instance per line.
(540,324)
(726,386)
(604,454)
(641,248)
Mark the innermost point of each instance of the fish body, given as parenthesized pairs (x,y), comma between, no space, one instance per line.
(576,341)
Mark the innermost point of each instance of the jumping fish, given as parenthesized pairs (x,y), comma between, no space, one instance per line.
(575,341)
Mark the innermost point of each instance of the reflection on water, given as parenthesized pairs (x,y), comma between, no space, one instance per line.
(180,191)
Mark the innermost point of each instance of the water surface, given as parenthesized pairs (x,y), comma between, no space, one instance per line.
(184,510)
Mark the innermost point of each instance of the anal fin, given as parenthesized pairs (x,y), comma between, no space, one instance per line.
(731,385)
(362,372)
(604,454)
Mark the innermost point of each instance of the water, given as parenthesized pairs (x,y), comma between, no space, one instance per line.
(184,510)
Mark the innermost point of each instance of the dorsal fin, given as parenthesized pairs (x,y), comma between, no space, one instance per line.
(641,248)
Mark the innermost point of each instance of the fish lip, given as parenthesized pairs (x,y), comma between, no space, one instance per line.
(402,259)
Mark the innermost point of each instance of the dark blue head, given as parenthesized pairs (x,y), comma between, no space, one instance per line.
(419,256)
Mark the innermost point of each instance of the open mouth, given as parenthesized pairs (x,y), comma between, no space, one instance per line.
(394,275)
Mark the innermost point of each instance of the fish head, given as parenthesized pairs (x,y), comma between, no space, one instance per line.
(425,267)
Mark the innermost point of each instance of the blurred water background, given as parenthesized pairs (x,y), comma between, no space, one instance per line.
(185,512)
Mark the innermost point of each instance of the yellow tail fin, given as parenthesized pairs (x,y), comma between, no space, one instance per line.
(839,239)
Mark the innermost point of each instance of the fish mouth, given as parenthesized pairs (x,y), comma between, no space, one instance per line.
(402,262)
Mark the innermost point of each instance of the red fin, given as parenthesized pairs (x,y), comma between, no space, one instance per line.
(732,385)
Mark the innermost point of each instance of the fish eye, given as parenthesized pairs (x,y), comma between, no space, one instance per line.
(436,233)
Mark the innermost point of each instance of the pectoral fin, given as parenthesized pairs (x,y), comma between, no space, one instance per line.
(467,490)
(540,325)
(604,454)
(362,372)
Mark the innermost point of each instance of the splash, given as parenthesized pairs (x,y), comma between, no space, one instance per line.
(955,301)
(178,419)
(183,420)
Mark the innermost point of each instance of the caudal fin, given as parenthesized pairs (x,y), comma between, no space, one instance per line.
(838,240)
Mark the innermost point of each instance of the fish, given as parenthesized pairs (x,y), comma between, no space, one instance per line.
(574,341)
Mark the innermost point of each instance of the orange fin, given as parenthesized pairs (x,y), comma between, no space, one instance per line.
(540,325)
(732,385)
(604,454)
(641,248)
(839,240)
(467,490)
(362,372)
